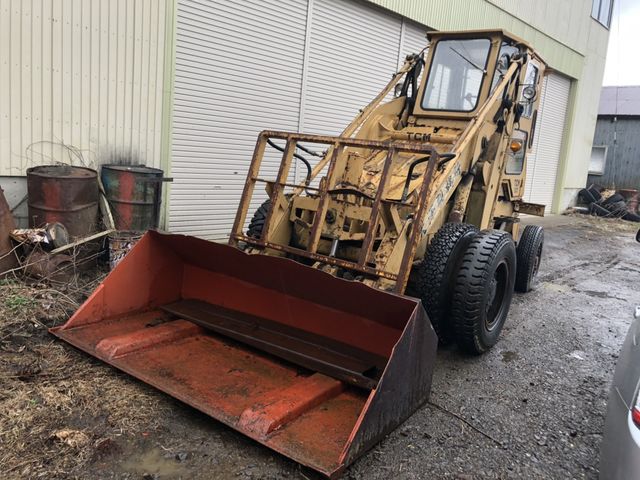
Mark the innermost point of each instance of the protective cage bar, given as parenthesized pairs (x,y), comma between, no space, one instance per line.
(338,144)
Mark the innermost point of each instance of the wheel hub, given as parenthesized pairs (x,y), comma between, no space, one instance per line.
(497,288)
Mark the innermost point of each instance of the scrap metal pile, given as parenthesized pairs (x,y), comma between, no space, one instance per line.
(602,202)
(72,211)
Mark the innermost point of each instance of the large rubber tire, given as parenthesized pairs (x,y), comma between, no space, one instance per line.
(615,198)
(432,279)
(631,217)
(483,290)
(586,197)
(617,208)
(599,210)
(595,193)
(258,220)
(529,255)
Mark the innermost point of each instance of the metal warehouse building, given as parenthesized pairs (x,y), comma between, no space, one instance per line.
(186,85)
(615,155)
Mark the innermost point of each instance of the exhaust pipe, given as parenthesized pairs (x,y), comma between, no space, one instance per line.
(315,367)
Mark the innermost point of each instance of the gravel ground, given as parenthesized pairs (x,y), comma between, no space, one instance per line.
(533,407)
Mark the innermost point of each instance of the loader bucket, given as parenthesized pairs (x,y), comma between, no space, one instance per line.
(314,367)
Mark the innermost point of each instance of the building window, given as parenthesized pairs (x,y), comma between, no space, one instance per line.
(601,11)
(598,160)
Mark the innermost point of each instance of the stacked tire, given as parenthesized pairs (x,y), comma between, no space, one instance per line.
(614,206)
(467,278)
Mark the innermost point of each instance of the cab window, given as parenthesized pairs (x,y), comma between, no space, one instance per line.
(457,71)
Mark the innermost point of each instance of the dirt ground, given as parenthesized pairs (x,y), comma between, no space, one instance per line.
(533,407)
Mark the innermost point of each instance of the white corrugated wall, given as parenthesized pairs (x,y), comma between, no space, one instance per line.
(88,74)
(288,65)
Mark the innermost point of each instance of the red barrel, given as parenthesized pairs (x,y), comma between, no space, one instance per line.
(134,193)
(65,194)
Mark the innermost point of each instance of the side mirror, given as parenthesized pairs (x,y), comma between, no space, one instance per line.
(638,236)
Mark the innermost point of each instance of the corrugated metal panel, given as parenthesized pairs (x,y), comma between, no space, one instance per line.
(245,67)
(622,167)
(624,100)
(558,29)
(544,159)
(414,38)
(353,53)
(84,73)
(238,71)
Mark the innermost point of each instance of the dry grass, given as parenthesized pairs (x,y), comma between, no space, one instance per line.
(607,225)
(59,409)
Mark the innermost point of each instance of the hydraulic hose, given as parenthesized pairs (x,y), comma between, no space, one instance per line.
(298,156)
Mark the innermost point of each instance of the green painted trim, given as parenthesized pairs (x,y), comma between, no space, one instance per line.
(477,14)
(565,150)
(167,104)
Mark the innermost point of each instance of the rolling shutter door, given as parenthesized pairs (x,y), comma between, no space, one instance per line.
(353,52)
(242,67)
(414,39)
(544,158)
(238,71)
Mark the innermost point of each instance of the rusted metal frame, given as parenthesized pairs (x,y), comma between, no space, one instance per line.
(300,348)
(286,184)
(531,208)
(323,206)
(247,192)
(348,142)
(317,257)
(416,229)
(369,238)
(364,113)
(283,174)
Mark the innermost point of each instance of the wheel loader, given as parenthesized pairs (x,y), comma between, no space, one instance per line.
(315,330)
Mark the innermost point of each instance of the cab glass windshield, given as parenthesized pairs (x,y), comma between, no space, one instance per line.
(456,75)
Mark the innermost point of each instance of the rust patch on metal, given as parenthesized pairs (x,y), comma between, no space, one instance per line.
(279,400)
(8,259)
(65,194)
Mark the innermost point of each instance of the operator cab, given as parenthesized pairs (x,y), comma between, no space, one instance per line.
(463,69)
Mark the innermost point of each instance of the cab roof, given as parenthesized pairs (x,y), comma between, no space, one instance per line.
(478,33)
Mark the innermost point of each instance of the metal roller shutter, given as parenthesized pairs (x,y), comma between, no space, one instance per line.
(414,38)
(242,67)
(544,159)
(238,71)
(353,51)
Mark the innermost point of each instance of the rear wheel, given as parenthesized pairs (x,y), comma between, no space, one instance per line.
(259,219)
(483,290)
(529,254)
(432,279)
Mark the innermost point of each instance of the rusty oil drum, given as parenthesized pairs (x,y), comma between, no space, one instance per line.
(134,193)
(64,194)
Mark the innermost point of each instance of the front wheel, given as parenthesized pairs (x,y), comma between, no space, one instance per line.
(483,290)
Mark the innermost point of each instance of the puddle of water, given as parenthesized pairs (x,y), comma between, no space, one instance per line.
(153,462)
(509,356)
(554,287)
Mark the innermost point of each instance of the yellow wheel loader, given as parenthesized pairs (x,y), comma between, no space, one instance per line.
(312,332)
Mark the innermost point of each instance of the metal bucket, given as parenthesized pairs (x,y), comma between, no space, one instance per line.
(64,194)
(8,258)
(315,367)
(120,243)
(135,195)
